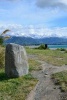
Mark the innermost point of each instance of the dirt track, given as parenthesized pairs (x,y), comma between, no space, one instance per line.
(45,88)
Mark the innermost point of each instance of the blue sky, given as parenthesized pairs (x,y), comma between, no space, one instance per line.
(33,14)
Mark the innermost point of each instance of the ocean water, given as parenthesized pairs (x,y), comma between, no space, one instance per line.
(57,46)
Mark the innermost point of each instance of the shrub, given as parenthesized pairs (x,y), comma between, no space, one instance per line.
(1,40)
(46,46)
(62,49)
(43,46)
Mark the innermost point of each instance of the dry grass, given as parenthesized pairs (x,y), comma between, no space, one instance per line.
(34,65)
(54,57)
(2,56)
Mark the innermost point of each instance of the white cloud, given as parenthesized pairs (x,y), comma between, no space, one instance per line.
(24,13)
(32,31)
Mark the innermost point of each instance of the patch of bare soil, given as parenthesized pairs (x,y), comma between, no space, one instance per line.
(45,88)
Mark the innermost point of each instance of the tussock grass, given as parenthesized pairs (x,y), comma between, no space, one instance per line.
(60,78)
(2,56)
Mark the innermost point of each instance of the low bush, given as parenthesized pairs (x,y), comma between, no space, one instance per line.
(62,49)
(43,46)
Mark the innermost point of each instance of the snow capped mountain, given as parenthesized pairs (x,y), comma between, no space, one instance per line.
(34,31)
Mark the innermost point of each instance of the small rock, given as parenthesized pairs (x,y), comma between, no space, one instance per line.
(46,73)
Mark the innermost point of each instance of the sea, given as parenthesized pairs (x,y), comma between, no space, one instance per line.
(57,46)
(51,46)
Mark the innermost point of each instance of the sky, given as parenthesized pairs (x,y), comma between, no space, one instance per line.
(41,18)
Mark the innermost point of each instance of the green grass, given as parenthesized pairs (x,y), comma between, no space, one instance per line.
(61,79)
(34,65)
(61,49)
(19,88)
(15,88)
(54,57)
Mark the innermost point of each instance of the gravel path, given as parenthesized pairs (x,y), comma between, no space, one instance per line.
(45,88)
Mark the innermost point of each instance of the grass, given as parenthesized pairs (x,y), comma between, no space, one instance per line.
(55,57)
(60,78)
(61,49)
(15,88)
(2,56)
(34,65)
(19,88)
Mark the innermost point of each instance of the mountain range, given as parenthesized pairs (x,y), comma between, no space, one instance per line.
(35,41)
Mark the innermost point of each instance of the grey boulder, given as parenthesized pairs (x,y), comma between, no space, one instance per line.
(16,63)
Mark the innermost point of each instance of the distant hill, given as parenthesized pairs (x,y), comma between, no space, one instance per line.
(35,41)
(22,40)
(54,40)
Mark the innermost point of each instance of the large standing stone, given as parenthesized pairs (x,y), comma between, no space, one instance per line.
(15,60)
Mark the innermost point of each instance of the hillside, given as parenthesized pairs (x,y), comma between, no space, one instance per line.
(33,41)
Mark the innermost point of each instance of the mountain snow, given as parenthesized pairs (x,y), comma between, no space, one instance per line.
(34,31)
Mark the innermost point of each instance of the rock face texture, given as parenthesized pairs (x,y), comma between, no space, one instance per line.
(16,63)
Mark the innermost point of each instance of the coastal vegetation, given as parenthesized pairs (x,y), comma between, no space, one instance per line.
(15,88)
(57,58)
(42,47)
(19,88)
